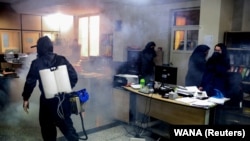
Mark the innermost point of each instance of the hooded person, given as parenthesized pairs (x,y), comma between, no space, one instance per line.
(147,62)
(216,75)
(196,65)
(48,116)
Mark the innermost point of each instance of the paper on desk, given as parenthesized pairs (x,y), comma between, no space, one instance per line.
(187,90)
(203,103)
(218,100)
(186,99)
(196,102)
(195,90)
(136,86)
(192,88)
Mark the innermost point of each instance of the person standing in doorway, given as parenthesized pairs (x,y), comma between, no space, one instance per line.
(196,65)
(48,115)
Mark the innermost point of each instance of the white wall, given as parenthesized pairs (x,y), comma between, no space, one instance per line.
(215,19)
(246,16)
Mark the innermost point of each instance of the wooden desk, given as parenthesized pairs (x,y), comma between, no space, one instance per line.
(171,111)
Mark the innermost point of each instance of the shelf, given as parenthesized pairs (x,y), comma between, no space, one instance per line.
(246,82)
(239,49)
(244,71)
(238,44)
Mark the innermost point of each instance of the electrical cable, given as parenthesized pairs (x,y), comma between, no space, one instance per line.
(140,130)
(145,115)
(59,106)
(83,129)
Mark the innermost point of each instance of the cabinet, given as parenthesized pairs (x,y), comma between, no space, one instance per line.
(238,44)
(121,100)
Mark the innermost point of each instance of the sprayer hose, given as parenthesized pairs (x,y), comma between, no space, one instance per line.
(83,129)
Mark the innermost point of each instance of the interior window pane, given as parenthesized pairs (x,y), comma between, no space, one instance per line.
(94,35)
(89,35)
(192,39)
(83,35)
(179,40)
(187,17)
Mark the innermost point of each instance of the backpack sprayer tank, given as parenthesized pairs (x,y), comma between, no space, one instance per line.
(56,82)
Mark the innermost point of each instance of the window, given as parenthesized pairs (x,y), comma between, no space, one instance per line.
(89,35)
(185,29)
(10,41)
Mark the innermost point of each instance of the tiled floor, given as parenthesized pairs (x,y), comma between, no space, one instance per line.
(118,132)
(16,126)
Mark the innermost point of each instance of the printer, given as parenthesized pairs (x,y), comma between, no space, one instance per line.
(124,79)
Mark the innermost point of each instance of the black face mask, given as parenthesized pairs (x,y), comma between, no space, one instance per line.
(217,55)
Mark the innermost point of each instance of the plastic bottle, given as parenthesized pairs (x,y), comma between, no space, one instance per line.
(142,82)
(150,87)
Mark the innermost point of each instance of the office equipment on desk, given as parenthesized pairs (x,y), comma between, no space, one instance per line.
(166,95)
(164,89)
(166,74)
(124,79)
(172,95)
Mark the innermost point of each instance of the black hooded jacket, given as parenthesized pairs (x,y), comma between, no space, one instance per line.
(147,60)
(45,59)
(216,74)
(196,66)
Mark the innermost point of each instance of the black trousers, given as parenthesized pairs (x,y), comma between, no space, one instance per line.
(54,113)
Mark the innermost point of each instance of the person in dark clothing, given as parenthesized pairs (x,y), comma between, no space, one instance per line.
(4,93)
(196,66)
(147,62)
(76,51)
(48,116)
(216,74)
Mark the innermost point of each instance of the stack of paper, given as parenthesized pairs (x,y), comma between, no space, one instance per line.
(202,103)
(184,92)
(187,100)
(217,100)
(196,102)
(192,89)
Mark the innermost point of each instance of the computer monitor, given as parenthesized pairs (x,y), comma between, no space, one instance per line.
(166,74)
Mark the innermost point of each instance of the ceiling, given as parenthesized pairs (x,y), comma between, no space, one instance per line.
(74,7)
